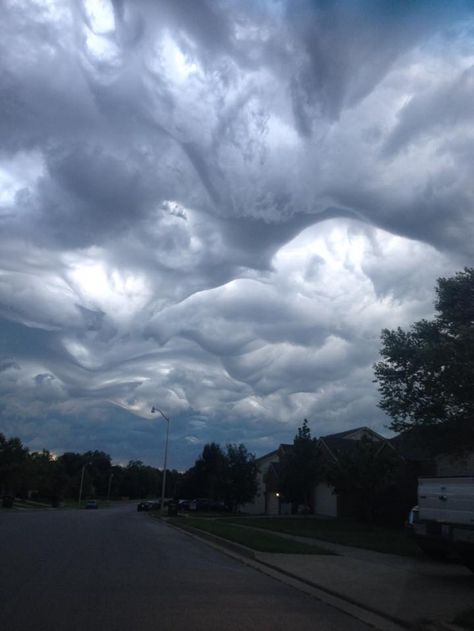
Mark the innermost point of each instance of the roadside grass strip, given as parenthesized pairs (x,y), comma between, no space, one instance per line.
(254,539)
(23,504)
(465,619)
(376,538)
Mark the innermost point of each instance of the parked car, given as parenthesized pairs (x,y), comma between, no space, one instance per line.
(183,504)
(149,505)
(91,504)
(203,504)
(200,503)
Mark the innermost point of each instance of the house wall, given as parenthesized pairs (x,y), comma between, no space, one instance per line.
(258,506)
(325,501)
(455,465)
(272,504)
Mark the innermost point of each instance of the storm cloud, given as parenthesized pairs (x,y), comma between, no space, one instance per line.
(215,207)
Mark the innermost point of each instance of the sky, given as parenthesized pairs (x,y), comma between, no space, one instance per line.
(215,206)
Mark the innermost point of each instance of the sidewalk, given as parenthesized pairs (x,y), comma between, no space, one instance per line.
(403,589)
(408,592)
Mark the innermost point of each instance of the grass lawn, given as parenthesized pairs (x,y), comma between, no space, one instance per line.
(394,541)
(465,619)
(255,539)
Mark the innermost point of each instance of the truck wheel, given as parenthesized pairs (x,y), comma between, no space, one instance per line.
(432,551)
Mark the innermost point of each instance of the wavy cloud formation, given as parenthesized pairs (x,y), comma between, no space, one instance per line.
(216,206)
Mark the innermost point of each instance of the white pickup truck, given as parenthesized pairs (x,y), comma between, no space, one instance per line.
(443,521)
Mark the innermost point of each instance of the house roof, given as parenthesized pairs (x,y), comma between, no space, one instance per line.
(356,430)
(266,456)
(344,442)
(412,447)
(335,443)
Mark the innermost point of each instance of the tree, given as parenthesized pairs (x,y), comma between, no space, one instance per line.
(426,377)
(228,476)
(68,473)
(41,470)
(240,476)
(99,467)
(13,460)
(209,472)
(301,468)
(140,480)
(362,475)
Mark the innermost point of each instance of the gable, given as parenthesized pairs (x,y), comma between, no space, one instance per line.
(363,432)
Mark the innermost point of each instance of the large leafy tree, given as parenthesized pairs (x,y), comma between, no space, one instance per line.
(240,476)
(13,460)
(222,475)
(300,468)
(209,472)
(140,480)
(362,476)
(41,473)
(426,376)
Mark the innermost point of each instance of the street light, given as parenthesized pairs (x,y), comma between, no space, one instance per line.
(163,485)
(109,487)
(82,481)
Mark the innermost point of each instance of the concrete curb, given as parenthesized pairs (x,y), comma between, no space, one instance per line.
(238,548)
(369,615)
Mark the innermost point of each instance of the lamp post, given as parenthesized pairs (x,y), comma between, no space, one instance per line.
(109,487)
(163,485)
(82,481)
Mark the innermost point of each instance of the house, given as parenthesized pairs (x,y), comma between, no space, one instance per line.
(264,501)
(326,502)
(424,460)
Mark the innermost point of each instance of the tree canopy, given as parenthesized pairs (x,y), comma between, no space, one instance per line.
(40,475)
(362,475)
(426,376)
(240,476)
(300,468)
(219,475)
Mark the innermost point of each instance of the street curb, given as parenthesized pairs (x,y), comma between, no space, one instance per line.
(238,548)
(339,601)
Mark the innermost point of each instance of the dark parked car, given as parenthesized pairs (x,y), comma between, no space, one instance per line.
(203,504)
(148,505)
(91,504)
(183,504)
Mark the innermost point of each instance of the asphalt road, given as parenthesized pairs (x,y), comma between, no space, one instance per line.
(116,569)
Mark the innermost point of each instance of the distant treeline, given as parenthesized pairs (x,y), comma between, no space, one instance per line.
(42,476)
(221,475)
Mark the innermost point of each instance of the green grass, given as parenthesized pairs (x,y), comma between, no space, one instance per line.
(255,539)
(31,504)
(394,541)
(465,619)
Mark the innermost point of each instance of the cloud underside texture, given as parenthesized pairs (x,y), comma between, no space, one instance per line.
(216,206)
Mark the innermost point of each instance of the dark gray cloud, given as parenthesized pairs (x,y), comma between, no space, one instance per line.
(216,206)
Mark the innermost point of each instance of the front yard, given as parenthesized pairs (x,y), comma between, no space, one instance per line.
(255,539)
(392,541)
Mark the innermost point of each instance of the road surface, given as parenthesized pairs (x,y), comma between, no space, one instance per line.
(118,570)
